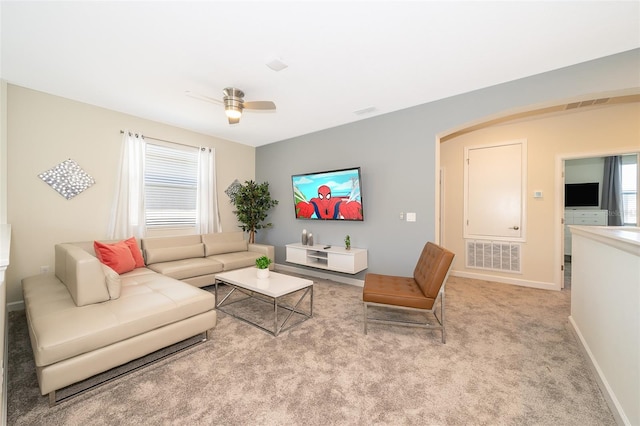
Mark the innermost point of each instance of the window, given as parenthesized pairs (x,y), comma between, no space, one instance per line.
(170,186)
(164,185)
(630,189)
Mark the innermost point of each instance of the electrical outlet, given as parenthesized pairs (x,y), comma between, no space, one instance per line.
(44,269)
(401,215)
(411,217)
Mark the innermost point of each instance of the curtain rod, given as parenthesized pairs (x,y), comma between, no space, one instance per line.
(164,140)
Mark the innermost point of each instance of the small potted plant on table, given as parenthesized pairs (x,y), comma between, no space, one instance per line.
(262,263)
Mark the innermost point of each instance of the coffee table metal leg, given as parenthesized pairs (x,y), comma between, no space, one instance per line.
(294,309)
(219,304)
(276,331)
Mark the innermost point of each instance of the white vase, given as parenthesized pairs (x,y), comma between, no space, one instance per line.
(263,273)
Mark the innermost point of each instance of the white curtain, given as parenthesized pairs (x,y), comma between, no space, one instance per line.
(127,216)
(208,218)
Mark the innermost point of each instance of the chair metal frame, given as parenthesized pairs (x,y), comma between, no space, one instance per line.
(426,325)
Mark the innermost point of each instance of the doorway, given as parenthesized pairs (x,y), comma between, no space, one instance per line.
(580,175)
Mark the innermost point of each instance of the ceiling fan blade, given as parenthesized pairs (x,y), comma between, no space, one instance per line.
(203,97)
(234,120)
(263,105)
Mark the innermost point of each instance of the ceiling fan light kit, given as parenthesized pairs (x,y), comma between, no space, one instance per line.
(233,111)
(234,104)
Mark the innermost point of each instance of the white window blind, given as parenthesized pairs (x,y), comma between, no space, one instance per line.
(170,186)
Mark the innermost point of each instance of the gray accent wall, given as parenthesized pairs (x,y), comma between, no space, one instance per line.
(397,155)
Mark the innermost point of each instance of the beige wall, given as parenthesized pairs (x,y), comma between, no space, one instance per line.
(550,138)
(3,221)
(44,130)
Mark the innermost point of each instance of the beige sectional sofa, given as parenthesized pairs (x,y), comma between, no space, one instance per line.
(87,319)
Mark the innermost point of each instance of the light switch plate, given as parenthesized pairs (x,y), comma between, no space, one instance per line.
(411,217)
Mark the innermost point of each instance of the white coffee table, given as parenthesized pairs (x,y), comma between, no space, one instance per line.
(270,290)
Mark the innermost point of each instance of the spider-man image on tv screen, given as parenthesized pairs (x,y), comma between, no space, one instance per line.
(330,195)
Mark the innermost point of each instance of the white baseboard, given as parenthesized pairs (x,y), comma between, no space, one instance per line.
(316,273)
(607,392)
(5,365)
(505,280)
(15,306)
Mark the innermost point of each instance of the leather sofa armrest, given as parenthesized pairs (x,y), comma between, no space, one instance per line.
(266,250)
(81,273)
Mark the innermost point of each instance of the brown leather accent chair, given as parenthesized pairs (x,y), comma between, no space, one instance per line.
(417,293)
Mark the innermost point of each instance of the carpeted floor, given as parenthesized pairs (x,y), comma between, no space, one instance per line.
(510,359)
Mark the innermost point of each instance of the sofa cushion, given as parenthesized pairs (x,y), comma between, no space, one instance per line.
(166,254)
(224,242)
(60,330)
(187,268)
(112,279)
(81,273)
(230,247)
(173,241)
(116,256)
(432,268)
(241,259)
(137,272)
(394,290)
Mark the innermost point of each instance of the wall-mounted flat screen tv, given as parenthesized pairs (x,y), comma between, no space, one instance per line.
(330,195)
(581,194)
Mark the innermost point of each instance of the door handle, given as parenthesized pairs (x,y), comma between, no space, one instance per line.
(515,228)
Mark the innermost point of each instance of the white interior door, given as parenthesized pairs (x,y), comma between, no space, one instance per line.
(494,187)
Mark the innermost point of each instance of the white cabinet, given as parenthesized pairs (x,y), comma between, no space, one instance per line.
(584,218)
(336,259)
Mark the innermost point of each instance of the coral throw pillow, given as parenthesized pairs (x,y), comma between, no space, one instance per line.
(135,252)
(116,256)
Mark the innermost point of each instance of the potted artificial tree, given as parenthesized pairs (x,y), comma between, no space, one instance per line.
(253,202)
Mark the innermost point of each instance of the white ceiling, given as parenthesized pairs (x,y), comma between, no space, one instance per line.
(140,57)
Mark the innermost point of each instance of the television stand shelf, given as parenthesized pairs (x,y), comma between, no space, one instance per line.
(336,259)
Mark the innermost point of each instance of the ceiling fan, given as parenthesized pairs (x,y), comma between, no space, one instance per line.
(234,104)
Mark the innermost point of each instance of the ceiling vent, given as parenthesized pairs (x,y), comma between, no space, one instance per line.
(363,111)
(277,64)
(590,102)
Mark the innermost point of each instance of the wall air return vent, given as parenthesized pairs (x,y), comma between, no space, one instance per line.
(587,103)
(494,255)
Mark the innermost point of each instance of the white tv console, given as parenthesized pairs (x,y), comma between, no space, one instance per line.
(337,259)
